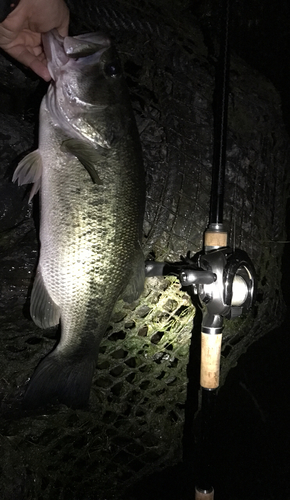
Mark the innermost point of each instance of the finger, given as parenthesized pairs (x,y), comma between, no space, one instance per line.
(40,69)
(35,62)
(63,28)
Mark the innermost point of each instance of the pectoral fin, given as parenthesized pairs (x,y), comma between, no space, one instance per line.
(44,312)
(29,170)
(86,154)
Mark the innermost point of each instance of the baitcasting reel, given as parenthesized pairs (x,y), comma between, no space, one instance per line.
(224,279)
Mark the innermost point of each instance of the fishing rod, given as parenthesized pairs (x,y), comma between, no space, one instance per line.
(222,277)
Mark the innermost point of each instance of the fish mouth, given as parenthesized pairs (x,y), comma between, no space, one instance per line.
(53,48)
(60,50)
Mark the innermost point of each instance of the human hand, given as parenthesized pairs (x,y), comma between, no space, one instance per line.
(20,32)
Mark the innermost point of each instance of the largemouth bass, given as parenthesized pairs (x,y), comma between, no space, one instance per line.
(88,168)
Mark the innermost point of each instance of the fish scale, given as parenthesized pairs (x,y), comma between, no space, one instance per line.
(89,232)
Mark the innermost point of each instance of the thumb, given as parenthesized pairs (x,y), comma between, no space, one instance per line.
(63,27)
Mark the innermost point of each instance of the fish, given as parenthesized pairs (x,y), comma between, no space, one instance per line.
(89,172)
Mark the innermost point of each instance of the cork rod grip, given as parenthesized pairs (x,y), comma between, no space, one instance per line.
(215,239)
(210,360)
(203,495)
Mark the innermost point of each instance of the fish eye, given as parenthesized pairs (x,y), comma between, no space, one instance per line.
(113,69)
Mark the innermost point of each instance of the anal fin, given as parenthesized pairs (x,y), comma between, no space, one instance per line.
(44,312)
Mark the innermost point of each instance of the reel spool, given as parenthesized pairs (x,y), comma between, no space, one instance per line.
(224,281)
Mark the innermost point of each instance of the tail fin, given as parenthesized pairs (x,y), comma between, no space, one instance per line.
(62,379)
